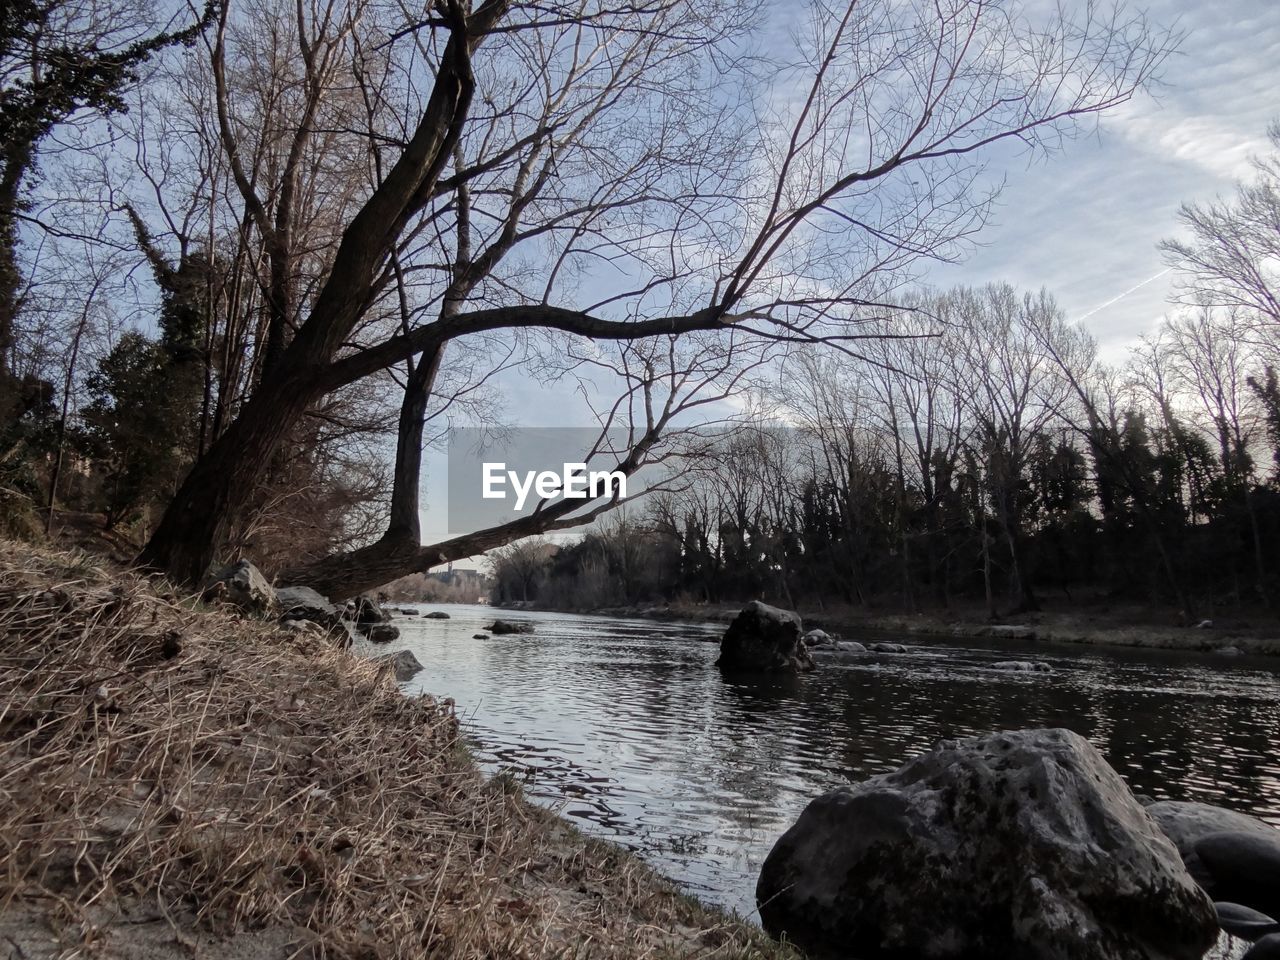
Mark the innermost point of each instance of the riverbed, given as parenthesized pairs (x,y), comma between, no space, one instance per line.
(627,727)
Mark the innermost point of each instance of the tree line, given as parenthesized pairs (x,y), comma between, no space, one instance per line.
(979,452)
(255,257)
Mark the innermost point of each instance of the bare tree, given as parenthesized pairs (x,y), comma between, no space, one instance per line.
(1231,258)
(551,139)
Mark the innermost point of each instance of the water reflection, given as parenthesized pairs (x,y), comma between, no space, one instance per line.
(626,726)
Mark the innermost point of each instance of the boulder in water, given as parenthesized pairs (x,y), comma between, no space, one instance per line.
(404,664)
(888,648)
(381,632)
(1022,844)
(764,639)
(510,626)
(817,638)
(436,615)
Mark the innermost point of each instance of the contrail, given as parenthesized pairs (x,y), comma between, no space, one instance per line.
(1117,299)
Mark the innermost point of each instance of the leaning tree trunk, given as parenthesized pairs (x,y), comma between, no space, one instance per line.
(397,552)
(219,485)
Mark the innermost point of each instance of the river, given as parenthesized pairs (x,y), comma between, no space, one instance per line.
(627,726)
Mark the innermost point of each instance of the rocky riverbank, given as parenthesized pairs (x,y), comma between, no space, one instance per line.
(177,781)
(1096,630)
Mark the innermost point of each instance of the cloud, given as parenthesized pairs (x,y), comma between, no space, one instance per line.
(1085,225)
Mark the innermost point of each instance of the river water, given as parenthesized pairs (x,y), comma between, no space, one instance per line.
(627,726)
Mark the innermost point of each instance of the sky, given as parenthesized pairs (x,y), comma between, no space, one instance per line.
(1085,223)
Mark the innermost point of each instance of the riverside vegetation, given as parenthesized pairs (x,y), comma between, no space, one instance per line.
(180,780)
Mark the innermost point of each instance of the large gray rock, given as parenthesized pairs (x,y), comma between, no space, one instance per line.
(244,585)
(304,603)
(381,632)
(1186,823)
(1019,845)
(404,663)
(764,639)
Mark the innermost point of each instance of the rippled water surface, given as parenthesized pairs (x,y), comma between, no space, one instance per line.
(627,726)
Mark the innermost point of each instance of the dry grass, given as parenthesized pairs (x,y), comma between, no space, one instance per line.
(176,781)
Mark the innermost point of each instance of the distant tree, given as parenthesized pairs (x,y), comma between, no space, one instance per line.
(1232,259)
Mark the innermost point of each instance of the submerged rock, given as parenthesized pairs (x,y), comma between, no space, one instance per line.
(888,648)
(479,636)
(763,639)
(1022,844)
(437,615)
(1022,666)
(244,585)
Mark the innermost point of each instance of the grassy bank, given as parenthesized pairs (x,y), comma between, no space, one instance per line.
(176,782)
(1130,628)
